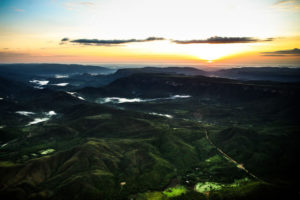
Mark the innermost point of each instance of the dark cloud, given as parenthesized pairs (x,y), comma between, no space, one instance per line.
(211,40)
(97,42)
(273,55)
(222,40)
(153,39)
(289,52)
(64,39)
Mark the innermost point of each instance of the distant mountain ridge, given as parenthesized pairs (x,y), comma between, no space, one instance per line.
(29,70)
(80,76)
(190,71)
(278,74)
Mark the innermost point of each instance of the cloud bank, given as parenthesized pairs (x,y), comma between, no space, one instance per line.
(114,42)
(211,40)
(289,52)
(222,40)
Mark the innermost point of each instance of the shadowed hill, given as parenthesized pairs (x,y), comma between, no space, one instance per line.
(163,85)
(143,154)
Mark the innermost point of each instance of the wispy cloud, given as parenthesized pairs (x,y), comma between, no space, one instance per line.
(289,52)
(17,9)
(114,42)
(71,5)
(222,40)
(9,54)
(87,3)
(288,4)
(12,55)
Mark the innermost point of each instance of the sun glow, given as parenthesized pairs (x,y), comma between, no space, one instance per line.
(28,36)
(206,52)
(212,52)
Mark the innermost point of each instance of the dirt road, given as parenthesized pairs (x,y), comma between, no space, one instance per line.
(238,165)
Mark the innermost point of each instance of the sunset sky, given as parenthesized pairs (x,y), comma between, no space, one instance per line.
(150,31)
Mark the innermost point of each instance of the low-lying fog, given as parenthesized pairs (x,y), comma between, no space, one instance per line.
(134,100)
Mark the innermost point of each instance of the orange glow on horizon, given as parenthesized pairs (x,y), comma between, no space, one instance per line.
(248,29)
(156,52)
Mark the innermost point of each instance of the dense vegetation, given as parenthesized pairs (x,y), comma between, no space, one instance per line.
(175,135)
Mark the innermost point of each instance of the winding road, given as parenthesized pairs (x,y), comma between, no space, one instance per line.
(238,165)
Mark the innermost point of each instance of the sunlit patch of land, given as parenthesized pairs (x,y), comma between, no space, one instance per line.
(175,191)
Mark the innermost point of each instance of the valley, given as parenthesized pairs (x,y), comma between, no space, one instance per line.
(149,133)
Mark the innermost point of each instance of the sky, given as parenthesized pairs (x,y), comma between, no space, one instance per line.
(212,32)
